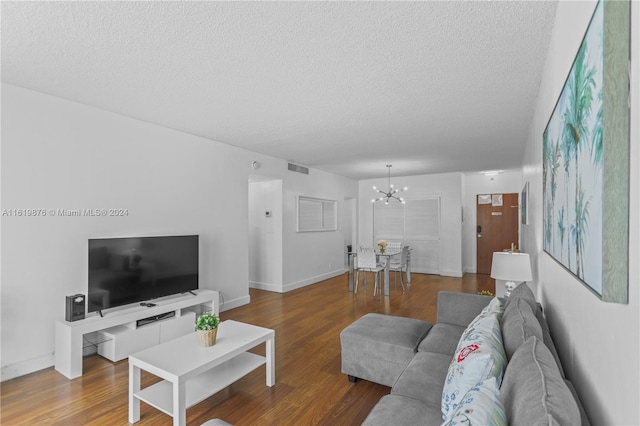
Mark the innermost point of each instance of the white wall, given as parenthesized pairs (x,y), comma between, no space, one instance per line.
(60,154)
(265,235)
(446,185)
(349,220)
(474,184)
(318,255)
(597,341)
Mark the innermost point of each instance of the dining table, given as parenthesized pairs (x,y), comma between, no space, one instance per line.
(380,256)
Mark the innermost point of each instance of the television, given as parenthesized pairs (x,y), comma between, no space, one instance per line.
(135,269)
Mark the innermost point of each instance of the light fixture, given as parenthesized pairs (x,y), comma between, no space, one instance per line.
(491,172)
(512,268)
(386,196)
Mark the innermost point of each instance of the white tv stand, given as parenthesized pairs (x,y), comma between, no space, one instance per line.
(69,335)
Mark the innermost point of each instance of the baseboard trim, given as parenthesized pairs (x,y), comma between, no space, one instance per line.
(295,285)
(457,274)
(11,371)
(313,280)
(265,286)
(234,303)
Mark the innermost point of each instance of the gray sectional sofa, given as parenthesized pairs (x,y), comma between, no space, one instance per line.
(414,358)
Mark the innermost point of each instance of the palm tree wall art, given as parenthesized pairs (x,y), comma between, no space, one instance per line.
(580,160)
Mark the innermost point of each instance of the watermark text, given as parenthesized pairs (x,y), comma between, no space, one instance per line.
(58,212)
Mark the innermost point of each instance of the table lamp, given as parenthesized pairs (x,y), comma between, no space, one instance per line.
(512,268)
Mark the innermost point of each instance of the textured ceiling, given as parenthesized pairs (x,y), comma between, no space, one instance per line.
(346,87)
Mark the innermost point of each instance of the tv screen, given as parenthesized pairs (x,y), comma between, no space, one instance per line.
(130,270)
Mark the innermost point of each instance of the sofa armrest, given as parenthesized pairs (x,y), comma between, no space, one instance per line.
(460,308)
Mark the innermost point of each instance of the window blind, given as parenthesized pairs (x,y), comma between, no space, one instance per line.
(417,224)
(315,214)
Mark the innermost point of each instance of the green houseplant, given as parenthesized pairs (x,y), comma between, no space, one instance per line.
(207,329)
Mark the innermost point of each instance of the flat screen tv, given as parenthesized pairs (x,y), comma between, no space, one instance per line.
(136,269)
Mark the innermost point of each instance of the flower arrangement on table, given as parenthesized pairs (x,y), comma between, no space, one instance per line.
(382,246)
(207,328)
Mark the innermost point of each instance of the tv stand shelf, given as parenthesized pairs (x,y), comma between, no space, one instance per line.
(69,335)
(93,341)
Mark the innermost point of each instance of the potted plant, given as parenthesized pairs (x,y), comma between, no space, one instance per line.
(207,329)
(382,246)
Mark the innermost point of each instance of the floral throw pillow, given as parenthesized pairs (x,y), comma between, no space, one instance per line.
(493,308)
(479,356)
(480,406)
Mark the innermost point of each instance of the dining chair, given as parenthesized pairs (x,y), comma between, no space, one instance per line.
(366,262)
(400,265)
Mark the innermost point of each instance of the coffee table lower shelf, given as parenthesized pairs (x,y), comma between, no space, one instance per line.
(199,388)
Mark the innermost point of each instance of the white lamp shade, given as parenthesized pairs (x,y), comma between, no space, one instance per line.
(514,267)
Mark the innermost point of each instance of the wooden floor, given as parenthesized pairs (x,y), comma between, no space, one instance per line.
(309,389)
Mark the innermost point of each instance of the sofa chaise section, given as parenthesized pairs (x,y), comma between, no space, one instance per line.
(418,369)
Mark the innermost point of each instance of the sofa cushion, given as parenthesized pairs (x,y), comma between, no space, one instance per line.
(522,291)
(379,347)
(546,338)
(482,405)
(403,411)
(397,332)
(423,378)
(460,308)
(584,420)
(479,355)
(443,339)
(534,392)
(518,324)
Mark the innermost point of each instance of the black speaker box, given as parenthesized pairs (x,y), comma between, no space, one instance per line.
(75,307)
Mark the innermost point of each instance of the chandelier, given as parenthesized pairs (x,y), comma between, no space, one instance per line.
(386,196)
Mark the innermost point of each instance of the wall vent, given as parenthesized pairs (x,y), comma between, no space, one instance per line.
(299,169)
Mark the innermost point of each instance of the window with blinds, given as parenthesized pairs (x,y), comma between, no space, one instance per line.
(415,223)
(316,214)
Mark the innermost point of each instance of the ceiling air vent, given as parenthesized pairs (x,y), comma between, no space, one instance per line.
(299,169)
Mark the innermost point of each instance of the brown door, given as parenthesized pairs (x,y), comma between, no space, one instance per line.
(496,227)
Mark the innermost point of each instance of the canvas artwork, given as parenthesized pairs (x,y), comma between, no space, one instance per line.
(575,144)
(572,154)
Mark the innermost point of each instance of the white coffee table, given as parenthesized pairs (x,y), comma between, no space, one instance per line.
(192,373)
